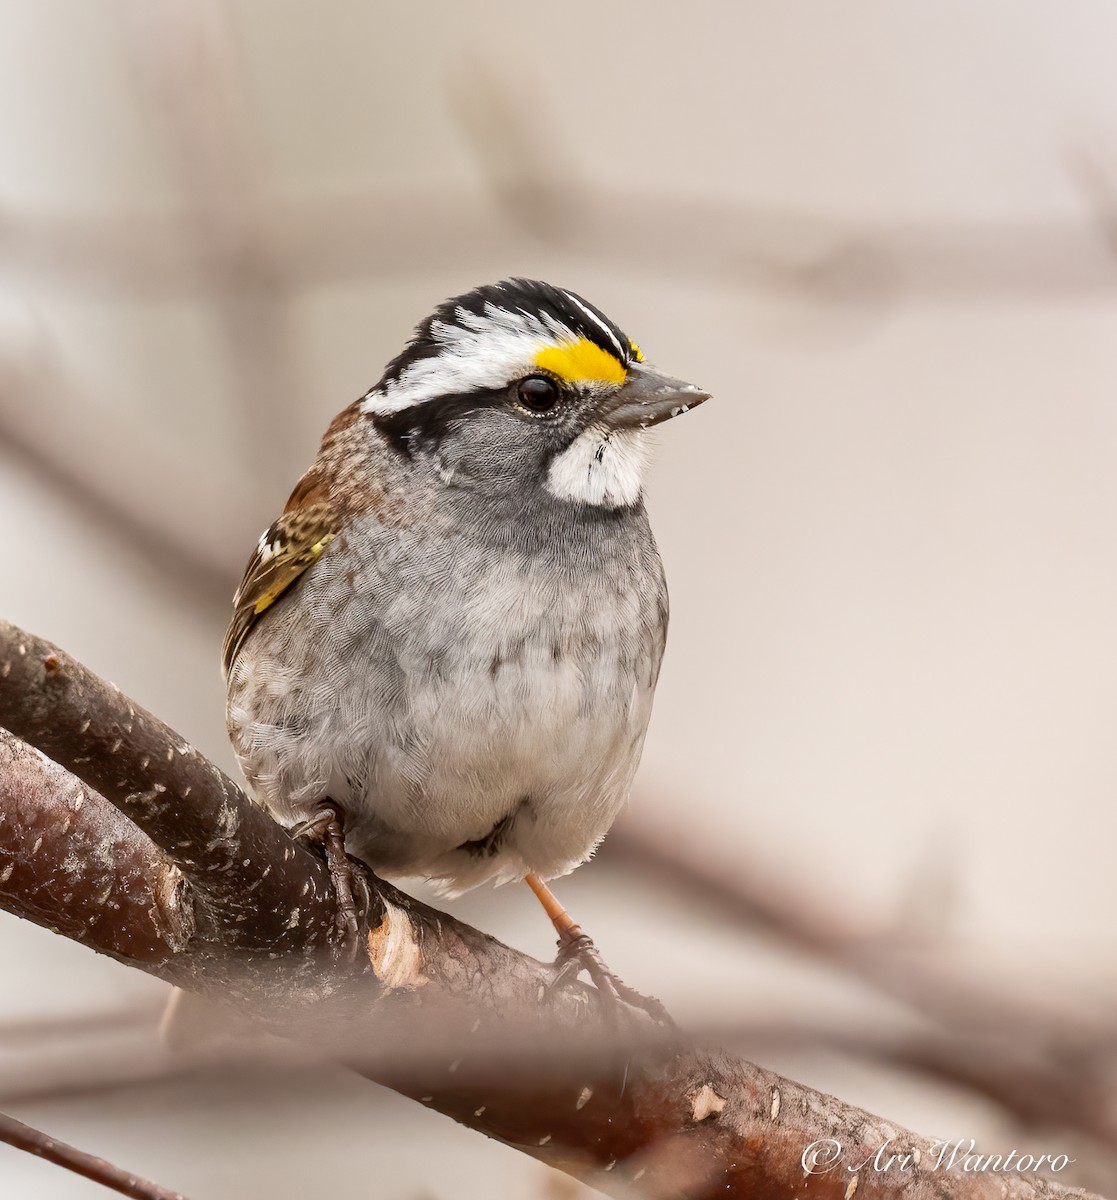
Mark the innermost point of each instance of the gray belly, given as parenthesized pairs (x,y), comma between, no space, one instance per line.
(473,725)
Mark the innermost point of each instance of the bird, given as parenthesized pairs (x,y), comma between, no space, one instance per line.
(443,653)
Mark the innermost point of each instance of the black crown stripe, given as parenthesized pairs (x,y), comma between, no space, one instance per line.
(532,297)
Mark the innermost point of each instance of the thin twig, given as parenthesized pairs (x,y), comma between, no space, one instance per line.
(24,1137)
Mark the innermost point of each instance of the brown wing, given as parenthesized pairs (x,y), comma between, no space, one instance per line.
(291,546)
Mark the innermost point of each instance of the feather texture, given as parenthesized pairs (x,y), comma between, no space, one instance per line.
(290,547)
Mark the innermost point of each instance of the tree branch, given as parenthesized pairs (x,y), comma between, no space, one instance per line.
(158,859)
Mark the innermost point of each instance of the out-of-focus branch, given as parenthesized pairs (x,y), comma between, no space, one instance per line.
(102,464)
(804,255)
(797,254)
(186,64)
(1049,1069)
(212,894)
(24,1137)
(103,1052)
(752,892)
(1028,1080)
(347,237)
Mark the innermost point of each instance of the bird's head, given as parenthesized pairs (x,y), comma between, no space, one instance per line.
(520,385)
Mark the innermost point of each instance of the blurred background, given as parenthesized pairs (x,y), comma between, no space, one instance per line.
(870,845)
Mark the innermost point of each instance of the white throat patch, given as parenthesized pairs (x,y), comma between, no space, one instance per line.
(602,467)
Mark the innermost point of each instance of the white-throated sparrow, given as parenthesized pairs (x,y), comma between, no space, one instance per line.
(449,641)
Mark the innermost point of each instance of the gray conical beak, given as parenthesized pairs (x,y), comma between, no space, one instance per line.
(647,398)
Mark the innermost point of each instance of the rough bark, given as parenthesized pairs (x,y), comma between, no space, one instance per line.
(129,841)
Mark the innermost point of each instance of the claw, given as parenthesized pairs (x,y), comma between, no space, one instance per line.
(577,953)
(326,829)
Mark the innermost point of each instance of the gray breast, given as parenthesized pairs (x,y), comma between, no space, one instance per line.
(473,695)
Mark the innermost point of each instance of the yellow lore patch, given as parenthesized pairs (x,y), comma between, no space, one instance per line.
(581,362)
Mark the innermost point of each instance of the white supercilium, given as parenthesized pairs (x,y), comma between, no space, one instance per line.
(483,351)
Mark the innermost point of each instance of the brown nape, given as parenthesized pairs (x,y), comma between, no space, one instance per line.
(344,419)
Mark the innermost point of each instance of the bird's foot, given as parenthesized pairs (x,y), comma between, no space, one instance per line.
(577,953)
(325,829)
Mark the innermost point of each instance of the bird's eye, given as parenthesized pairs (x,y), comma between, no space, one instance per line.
(538,393)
